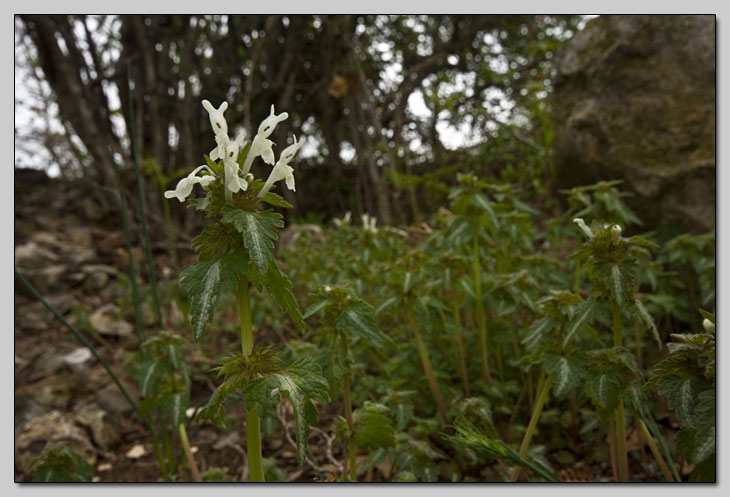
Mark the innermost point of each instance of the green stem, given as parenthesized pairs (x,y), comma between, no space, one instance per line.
(541,399)
(655,451)
(253,424)
(483,350)
(128,243)
(76,333)
(350,439)
(622,455)
(460,344)
(426,363)
(151,276)
(188,453)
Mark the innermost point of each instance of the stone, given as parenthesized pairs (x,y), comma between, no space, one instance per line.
(635,100)
(31,255)
(106,320)
(77,357)
(104,433)
(112,400)
(43,431)
(136,452)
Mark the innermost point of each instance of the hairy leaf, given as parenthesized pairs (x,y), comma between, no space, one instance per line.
(204,282)
(358,319)
(259,230)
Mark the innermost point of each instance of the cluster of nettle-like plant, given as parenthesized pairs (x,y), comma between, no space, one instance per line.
(235,252)
(483,312)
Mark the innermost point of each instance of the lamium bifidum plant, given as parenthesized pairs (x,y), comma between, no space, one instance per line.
(235,253)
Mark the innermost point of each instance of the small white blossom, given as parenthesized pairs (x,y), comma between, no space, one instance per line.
(708,325)
(584,227)
(217,121)
(344,221)
(368,223)
(185,186)
(261,146)
(616,232)
(282,169)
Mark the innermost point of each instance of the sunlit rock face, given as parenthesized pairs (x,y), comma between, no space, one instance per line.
(635,100)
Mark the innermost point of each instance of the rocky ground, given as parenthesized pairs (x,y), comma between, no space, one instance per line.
(73,253)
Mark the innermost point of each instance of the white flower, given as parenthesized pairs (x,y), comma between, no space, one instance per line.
(226,149)
(261,146)
(282,169)
(616,232)
(368,223)
(709,326)
(185,186)
(344,221)
(220,127)
(584,227)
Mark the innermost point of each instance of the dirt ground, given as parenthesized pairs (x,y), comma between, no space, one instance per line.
(73,252)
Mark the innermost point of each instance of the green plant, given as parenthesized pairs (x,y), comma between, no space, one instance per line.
(59,463)
(235,253)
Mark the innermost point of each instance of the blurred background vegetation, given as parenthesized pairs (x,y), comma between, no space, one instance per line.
(391,107)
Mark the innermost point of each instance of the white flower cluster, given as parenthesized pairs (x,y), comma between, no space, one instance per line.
(227,150)
(345,221)
(368,223)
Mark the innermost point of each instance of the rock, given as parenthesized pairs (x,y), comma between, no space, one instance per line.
(35,316)
(46,430)
(106,321)
(136,452)
(635,100)
(45,278)
(96,276)
(77,357)
(112,400)
(104,433)
(26,408)
(31,255)
(54,391)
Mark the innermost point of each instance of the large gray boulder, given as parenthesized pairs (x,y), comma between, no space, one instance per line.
(635,100)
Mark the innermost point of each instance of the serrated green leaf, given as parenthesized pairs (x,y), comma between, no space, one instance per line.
(279,287)
(203,284)
(300,383)
(649,321)
(149,374)
(373,430)
(314,308)
(704,444)
(583,316)
(259,229)
(358,319)
(174,406)
(272,198)
(388,303)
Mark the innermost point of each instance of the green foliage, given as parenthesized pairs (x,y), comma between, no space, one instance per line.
(59,463)
(373,428)
(301,383)
(469,437)
(259,229)
(687,378)
(204,282)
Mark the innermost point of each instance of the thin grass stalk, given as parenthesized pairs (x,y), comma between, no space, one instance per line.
(480,315)
(128,243)
(78,335)
(649,421)
(621,453)
(350,439)
(151,276)
(192,465)
(460,344)
(541,399)
(655,451)
(426,363)
(253,424)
